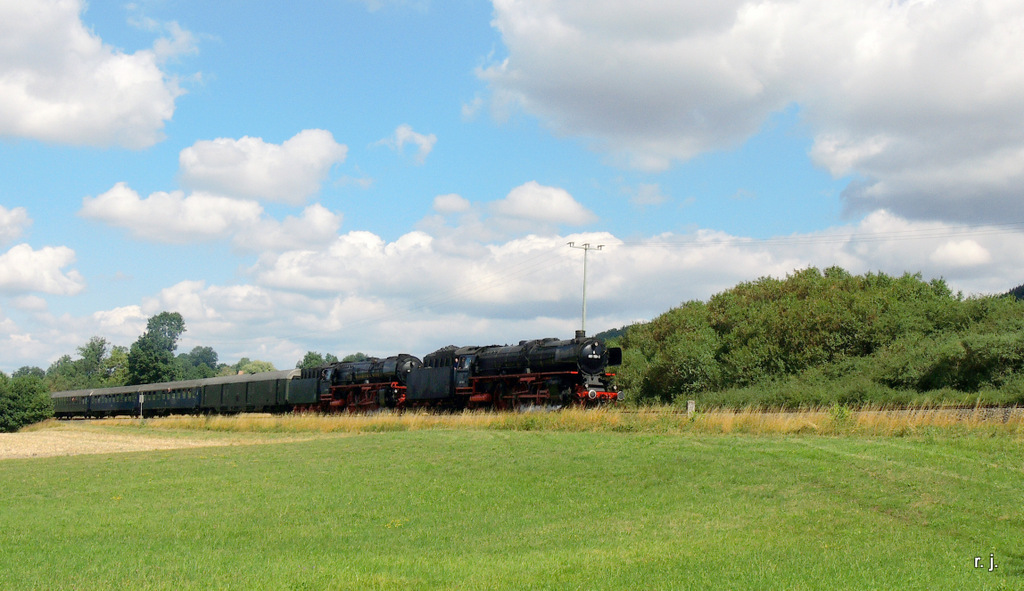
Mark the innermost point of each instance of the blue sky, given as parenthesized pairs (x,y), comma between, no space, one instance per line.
(399,175)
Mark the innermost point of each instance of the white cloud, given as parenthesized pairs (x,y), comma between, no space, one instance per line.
(316,227)
(424,290)
(244,320)
(413,279)
(365,293)
(535,202)
(60,83)
(960,253)
(451,203)
(127,322)
(19,348)
(353,262)
(652,81)
(404,134)
(472,108)
(177,218)
(250,167)
(919,100)
(13,223)
(30,303)
(25,270)
(974,259)
(171,217)
(179,42)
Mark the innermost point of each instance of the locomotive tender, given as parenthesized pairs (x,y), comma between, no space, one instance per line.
(538,372)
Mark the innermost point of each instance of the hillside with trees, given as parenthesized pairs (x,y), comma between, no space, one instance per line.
(829,337)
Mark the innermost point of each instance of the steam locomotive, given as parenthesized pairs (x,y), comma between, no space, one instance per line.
(539,372)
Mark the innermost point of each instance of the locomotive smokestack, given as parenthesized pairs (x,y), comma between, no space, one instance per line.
(580,334)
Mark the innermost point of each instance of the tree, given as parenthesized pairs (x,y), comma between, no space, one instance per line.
(90,366)
(820,336)
(199,363)
(256,366)
(26,370)
(246,365)
(98,366)
(23,400)
(151,357)
(63,375)
(203,355)
(115,366)
(314,359)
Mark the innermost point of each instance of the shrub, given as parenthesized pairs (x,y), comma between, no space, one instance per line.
(824,338)
(23,400)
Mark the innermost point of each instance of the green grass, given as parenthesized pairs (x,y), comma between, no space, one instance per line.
(492,509)
(833,420)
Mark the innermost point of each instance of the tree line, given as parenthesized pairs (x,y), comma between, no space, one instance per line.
(830,337)
(152,358)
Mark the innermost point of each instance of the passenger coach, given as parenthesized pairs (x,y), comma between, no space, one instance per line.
(274,391)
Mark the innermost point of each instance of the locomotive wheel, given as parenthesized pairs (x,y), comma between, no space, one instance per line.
(511,398)
(498,394)
(501,397)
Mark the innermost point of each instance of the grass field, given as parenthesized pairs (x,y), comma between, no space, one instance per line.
(504,504)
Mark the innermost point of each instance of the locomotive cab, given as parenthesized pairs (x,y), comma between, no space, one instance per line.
(464,369)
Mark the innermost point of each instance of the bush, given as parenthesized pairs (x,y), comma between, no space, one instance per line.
(829,337)
(23,400)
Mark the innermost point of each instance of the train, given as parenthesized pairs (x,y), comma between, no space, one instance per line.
(541,372)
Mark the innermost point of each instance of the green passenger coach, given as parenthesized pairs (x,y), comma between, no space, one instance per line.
(272,391)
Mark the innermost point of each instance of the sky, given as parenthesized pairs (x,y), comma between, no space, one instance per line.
(390,176)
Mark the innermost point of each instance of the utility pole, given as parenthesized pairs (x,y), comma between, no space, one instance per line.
(585,247)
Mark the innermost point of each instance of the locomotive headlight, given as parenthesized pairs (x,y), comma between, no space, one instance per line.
(592,394)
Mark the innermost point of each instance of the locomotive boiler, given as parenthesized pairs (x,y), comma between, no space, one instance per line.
(586,355)
(391,369)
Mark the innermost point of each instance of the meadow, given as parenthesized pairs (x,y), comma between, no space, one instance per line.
(823,499)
